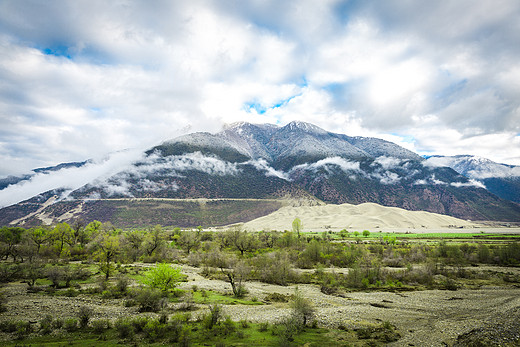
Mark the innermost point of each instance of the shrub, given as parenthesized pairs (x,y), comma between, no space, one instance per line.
(154,330)
(46,325)
(58,323)
(84,315)
(187,302)
(175,327)
(228,326)
(3,302)
(124,328)
(70,324)
(138,323)
(71,292)
(149,300)
(215,314)
(164,277)
(302,308)
(122,284)
(277,297)
(8,326)
(100,325)
(264,326)
(23,329)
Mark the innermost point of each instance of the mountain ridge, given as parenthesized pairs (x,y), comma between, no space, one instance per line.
(266,161)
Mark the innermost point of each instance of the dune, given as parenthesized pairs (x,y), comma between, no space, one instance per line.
(363,216)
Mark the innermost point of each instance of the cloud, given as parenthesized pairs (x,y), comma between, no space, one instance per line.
(122,183)
(470,183)
(68,178)
(262,165)
(343,164)
(82,79)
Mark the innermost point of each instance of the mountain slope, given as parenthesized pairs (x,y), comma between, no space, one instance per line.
(298,161)
(500,179)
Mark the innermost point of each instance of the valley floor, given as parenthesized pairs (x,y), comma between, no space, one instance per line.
(424,318)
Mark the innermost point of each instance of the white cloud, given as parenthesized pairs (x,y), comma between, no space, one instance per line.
(470,183)
(343,164)
(68,178)
(129,75)
(262,165)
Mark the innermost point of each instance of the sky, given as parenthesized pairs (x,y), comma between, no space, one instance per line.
(81,79)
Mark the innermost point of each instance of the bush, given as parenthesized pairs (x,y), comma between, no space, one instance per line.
(150,300)
(164,277)
(58,323)
(3,302)
(23,329)
(227,327)
(187,302)
(214,316)
(100,325)
(8,326)
(70,324)
(154,330)
(46,325)
(302,308)
(84,315)
(138,323)
(122,284)
(124,328)
(264,326)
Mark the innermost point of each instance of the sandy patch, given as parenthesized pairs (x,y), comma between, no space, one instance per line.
(364,216)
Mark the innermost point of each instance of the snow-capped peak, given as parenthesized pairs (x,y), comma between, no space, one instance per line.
(304,126)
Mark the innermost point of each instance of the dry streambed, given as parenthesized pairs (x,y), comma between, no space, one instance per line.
(424,318)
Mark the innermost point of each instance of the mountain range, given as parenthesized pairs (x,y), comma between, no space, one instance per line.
(265,164)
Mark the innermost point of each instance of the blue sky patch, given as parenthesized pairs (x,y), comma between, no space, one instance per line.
(59,51)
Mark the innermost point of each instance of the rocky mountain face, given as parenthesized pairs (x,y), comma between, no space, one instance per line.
(297,161)
(500,179)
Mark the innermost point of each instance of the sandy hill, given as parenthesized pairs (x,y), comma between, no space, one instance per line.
(363,216)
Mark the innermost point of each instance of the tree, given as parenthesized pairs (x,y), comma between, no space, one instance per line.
(10,237)
(302,308)
(154,240)
(297,226)
(38,236)
(106,248)
(188,240)
(164,277)
(366,233)
(61,235)
(236,271)
(241,240)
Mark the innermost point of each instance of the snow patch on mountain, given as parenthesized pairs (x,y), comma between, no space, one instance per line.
(474,167)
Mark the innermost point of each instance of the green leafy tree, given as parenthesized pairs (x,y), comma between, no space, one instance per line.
(366,233)
(154,240)
(39,236)
(297,226)
(163,276)
(10,238)
(62,234)
(188,240)
(241,240)
(106,248)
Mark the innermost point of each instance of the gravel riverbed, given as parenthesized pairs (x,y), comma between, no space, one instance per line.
(424,318)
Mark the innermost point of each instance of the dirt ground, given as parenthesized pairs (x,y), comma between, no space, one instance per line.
(424,318)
